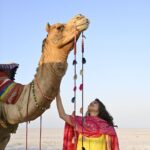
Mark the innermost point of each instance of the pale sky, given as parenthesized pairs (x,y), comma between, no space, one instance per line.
(117,53)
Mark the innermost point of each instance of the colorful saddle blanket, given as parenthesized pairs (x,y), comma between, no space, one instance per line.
(9,90)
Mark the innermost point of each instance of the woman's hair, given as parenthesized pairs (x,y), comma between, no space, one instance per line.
(103,113)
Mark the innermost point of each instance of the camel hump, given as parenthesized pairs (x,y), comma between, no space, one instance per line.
(9,70)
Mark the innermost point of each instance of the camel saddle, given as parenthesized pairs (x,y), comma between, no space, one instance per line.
(9,90)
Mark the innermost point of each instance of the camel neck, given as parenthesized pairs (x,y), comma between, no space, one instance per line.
(51,54)
(48,77)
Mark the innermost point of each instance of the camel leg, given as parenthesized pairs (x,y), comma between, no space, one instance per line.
(4,137)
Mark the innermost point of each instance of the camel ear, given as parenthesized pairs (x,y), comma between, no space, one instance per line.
(48,27)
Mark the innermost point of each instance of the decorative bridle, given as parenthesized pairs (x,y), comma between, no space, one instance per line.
(81,88)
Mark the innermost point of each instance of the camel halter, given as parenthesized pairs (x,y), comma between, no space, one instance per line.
(81,87)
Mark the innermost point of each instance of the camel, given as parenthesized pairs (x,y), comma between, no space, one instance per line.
(37,96)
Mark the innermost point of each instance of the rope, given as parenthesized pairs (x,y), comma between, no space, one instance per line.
(26,135)
(27,118)
(75,80)
(75,73)
(40,142)
(82,86)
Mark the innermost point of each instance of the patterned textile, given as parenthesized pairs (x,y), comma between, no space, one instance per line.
(10,68)
(94,127)
(9,90)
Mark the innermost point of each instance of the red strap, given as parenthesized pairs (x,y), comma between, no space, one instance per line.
(46,97)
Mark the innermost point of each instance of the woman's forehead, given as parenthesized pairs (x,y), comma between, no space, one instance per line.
(95,101)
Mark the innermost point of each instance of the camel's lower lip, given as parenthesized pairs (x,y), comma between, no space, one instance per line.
(83,26)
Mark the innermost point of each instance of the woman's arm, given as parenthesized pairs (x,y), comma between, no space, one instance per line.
(108,140)
(61,110)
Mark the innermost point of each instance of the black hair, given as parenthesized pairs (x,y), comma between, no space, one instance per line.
(104,114)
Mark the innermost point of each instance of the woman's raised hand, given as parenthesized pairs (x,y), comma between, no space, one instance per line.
(81,110)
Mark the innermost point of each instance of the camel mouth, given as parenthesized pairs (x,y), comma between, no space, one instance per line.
(80,28)
(83,25)
(78,23)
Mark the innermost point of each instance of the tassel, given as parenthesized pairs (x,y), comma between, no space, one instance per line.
(81,72)
(83,60)
(74,62)
(83,148)
(81,87)
(84,36)
(73,99)
(75,77)
(75,88)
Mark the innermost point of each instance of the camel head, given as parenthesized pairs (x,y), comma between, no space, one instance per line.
(60,39)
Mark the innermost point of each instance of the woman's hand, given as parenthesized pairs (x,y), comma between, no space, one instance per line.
(81,110)
(73,113)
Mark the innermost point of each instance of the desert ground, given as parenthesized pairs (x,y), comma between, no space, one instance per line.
(129,139)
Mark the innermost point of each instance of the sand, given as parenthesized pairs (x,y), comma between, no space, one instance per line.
(129,139)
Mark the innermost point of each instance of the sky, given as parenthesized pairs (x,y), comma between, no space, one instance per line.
(117,49)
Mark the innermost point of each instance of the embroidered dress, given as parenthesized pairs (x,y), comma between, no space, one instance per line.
(94,134)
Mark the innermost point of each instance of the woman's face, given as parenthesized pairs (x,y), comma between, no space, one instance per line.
(94,107)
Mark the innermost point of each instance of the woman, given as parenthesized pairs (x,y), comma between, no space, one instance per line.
(94,132)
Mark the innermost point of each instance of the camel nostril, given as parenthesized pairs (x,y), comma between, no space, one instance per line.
(79,16)
(87,21)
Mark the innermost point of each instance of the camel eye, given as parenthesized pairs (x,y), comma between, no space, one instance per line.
(60,28)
